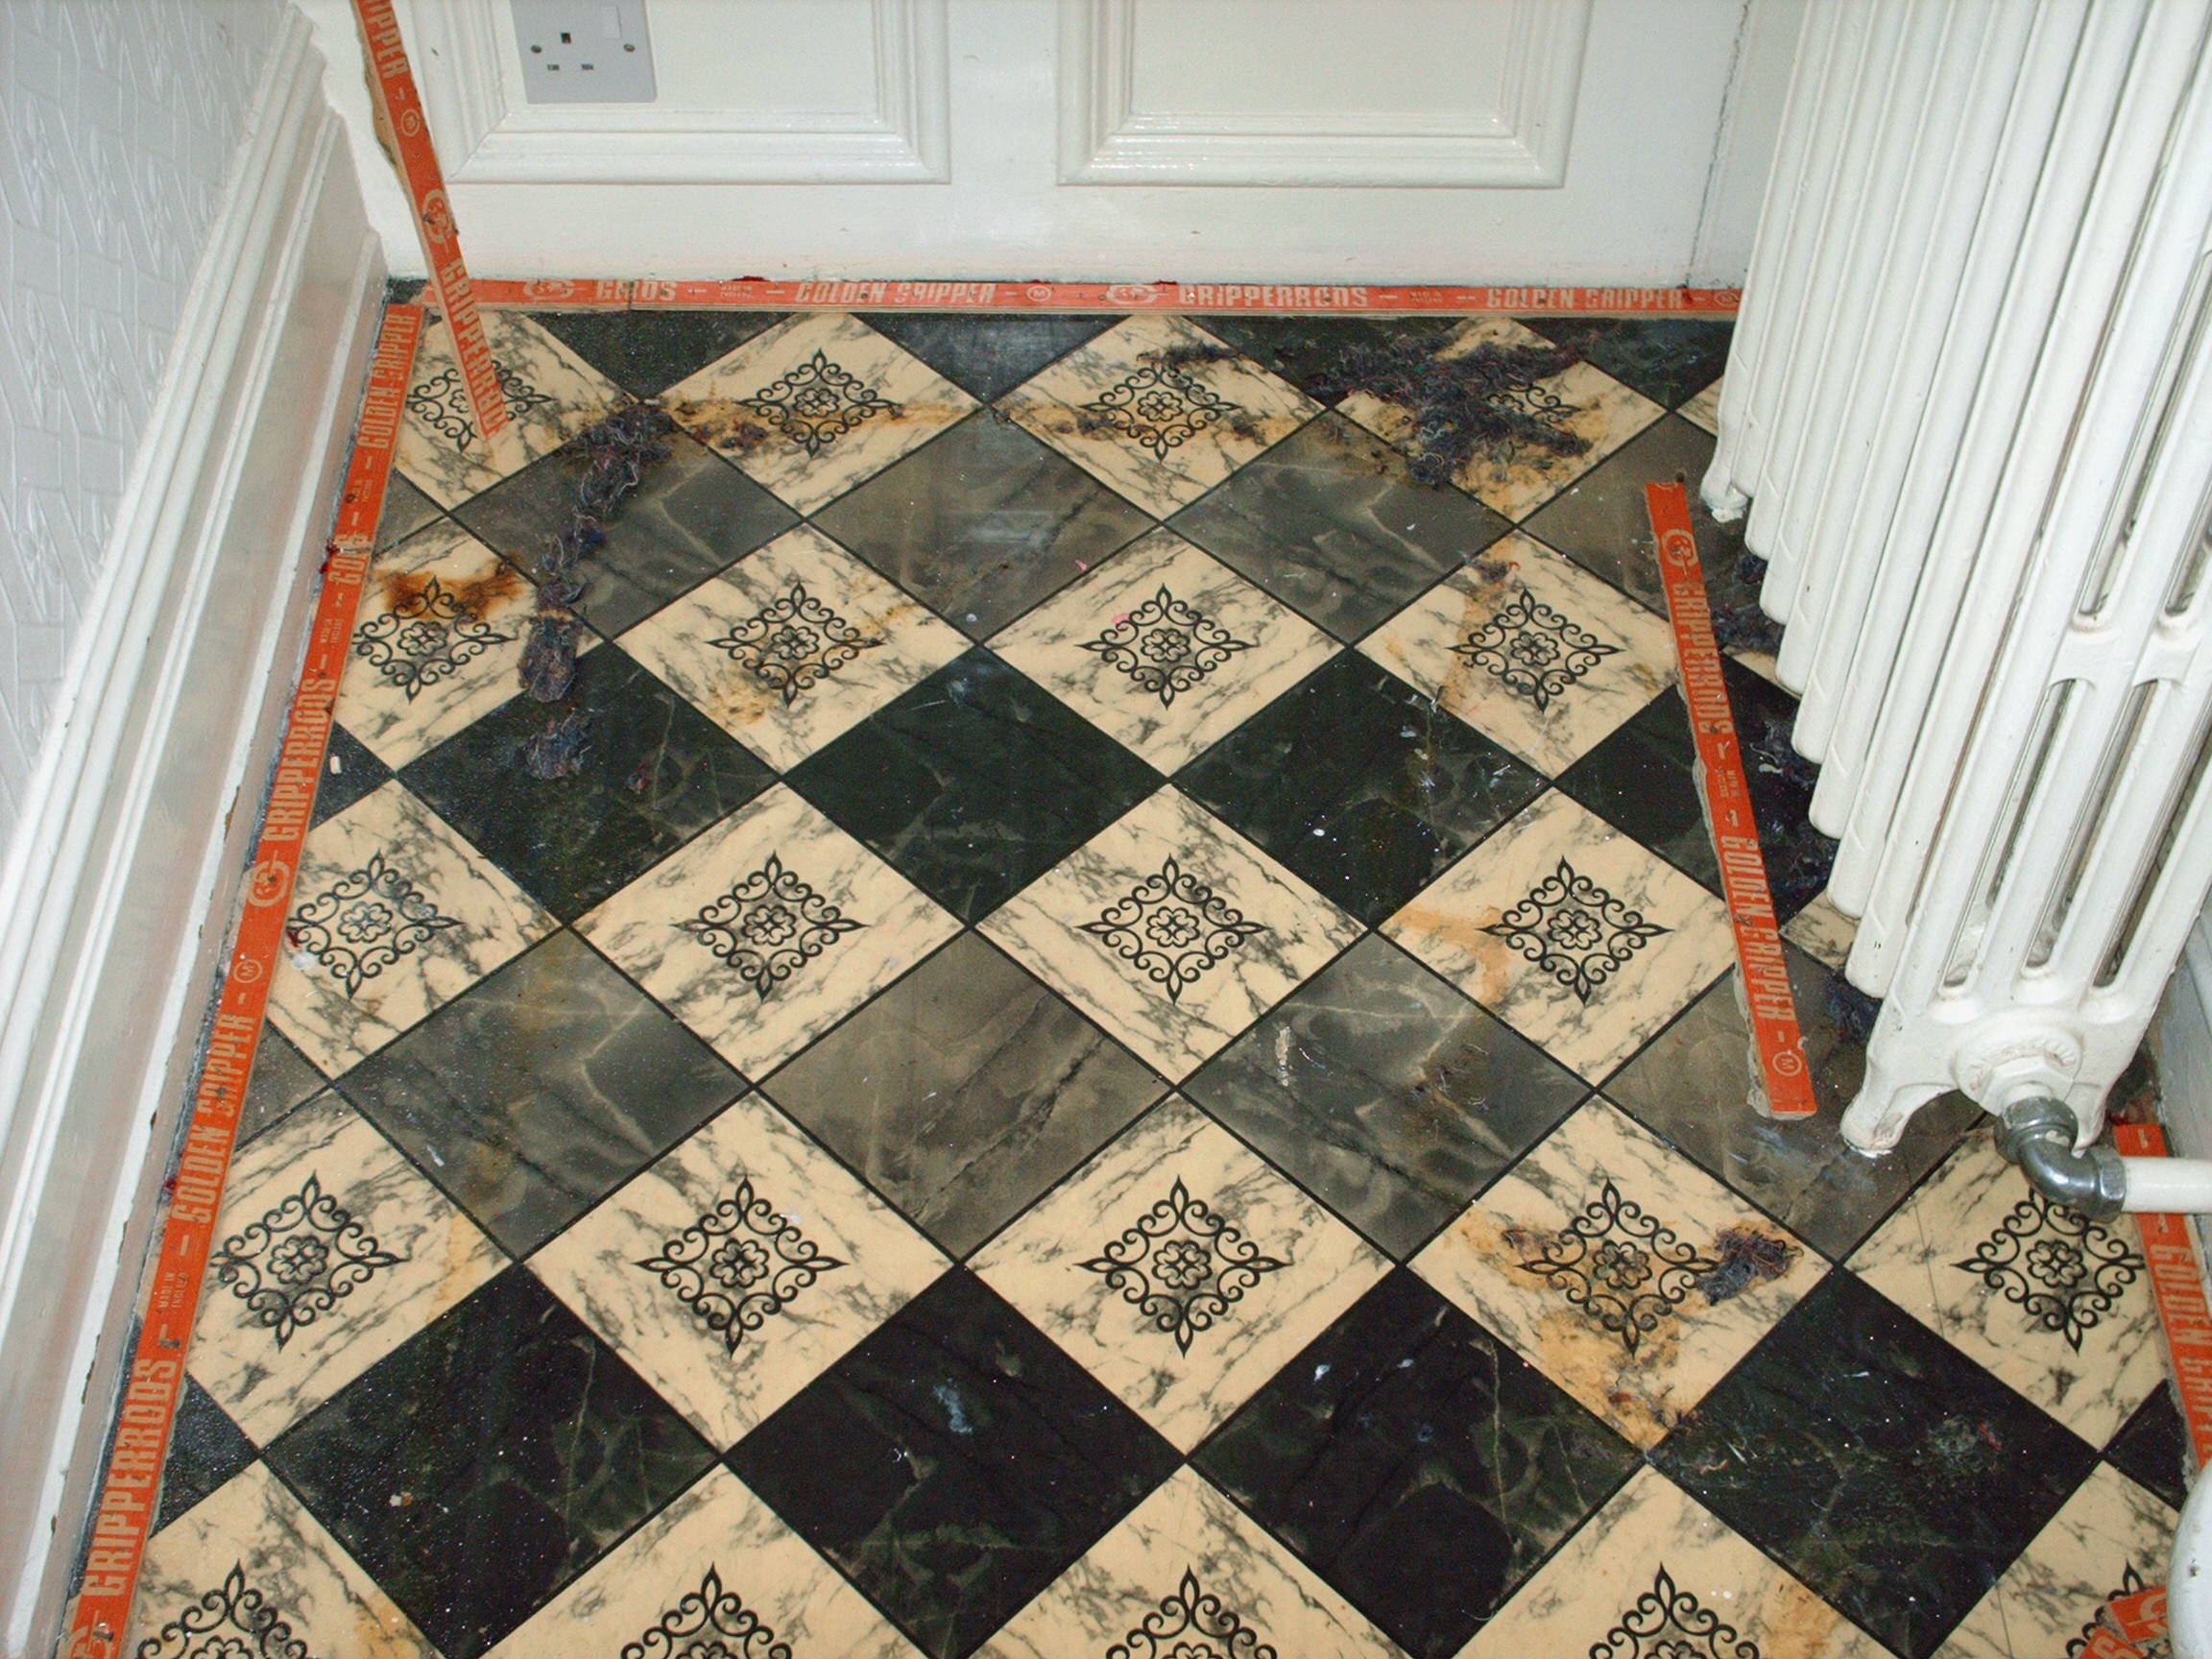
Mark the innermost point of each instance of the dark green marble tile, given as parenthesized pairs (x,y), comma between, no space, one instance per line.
(1387,1093)
(1417,1463)
(987,355)
(1331,522)
(2152,1448)
(1893,1476)
(485,1462)
(1691,1083)
(965,1091)
(283,1078)
(975,782)
(655,773)
(542,1089)
(1669,359)
(1309,352)
(984,522)
(406,510)
(954,1464)
(694,515)
(357,773)
(206,1449)
(1360,784)
(645,353)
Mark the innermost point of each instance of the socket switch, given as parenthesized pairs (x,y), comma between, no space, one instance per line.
(584,51)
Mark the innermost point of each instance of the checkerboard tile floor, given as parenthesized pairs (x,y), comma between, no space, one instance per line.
(1126,1046)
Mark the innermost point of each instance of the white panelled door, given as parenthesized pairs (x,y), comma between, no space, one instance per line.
(1586,141)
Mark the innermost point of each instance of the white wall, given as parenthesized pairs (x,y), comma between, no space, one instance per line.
(117,124)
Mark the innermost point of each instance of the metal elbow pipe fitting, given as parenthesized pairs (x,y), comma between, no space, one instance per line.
(2038,1135)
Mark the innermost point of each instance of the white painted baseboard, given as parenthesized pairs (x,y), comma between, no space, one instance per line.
(116,894)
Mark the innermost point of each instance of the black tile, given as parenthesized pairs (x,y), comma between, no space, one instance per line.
(984,355)
(282,1079)
(1690,1084)
(1387,1093)
(406,510)
(965,1091)
(2152,1447)
(1669,359)
(1360,784)
(655,773)
(954,1464)
(1309,352)
(486,1462)
(1888,1472)
(1601,522)
(983,523)
(206,1449)
(1638,779)
(1331,522)
(693,515)
(1417,1463)
(975,782)
(356,773)
(542,1089)
(645,353)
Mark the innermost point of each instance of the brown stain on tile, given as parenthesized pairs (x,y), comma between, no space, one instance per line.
(1490,959)
(403,590)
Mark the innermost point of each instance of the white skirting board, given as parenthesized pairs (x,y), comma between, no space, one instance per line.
(116,894)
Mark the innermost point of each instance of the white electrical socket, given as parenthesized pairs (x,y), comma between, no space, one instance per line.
(584,51)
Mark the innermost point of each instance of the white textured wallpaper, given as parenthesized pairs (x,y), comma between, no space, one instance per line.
(117,123)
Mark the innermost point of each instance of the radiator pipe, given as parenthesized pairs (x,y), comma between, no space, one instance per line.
(2039,1135)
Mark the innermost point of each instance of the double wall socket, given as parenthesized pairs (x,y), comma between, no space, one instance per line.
(584,51)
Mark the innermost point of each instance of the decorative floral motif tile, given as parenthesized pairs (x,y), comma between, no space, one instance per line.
(1626,1274)
(1704,409)
(816,404)
(1570,932)
(248,1572)
(551,395)
(330,1251)
(1165,648)
(1530,649)
(2058,1305)
(1188,1576)
(1181,1270)
(1171,931)
(2111,1537)
(737,1269)
(790,647)
(436,643)
(1823,932)
(393,915)
(714,1576)
(1656,1576)
(1159,409)
(1581,400)
(767,930)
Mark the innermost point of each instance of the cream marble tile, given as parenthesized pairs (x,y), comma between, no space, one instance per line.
(1530,649)
(330,1251)
(1623,1271)
(1159,409)
(393,915)
(2112,1535)
(713,1574)
(1822,932)
(2056,1305)
(1570,932)
(816,404)
(1186,1576)
(1653,1573)
(1165,647)
(1171,931)
(1704,409)
(793,645)
(247,1571)
(738,1269)
(1584,400)
(767,930)
(552,394)
(436,644)
(1181,1270)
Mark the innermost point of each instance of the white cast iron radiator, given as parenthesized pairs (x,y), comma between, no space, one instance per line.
(1969,412)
